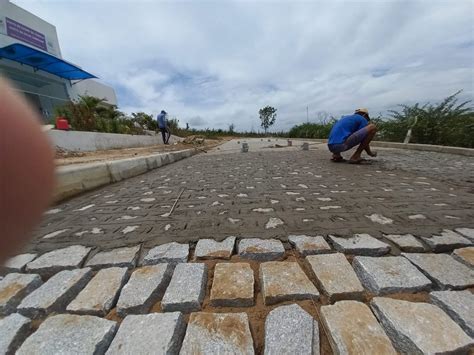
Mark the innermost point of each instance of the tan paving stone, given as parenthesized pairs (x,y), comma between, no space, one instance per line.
(233,285)
(353,329)
(285,281)
(465,255)
(335,276)
(419,328)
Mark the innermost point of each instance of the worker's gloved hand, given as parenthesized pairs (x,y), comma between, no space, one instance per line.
(26,171)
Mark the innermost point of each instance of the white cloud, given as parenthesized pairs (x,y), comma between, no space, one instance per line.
(216,63)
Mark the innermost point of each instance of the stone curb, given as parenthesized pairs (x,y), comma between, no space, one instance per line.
(74,179)
(412,146)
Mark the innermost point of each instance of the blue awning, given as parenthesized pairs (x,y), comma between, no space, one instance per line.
(43,61)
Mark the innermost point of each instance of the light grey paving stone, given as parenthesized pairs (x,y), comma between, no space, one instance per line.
(55,294)
(459,305)
(261,249)
(306,245)
(389,274)
(218,333)
(353,329)
(406,242)
(443,269)
(187,288)
(13,330)
(211,249)
(155,333)
(233,285)
(467,232)
(120,257)
(70,334)
(57,260)
(171,253)
(145,287)
(291,330)
(446,241)
(360,244)
(465,255)
(18,263)
(335,276)
(14,287)
(285,281)
(419,328)
(101,293)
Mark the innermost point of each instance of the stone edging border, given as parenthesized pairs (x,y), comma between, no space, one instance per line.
(74,179)
(412,146)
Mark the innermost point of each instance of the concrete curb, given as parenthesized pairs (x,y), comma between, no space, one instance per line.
(422,147)
(75,179)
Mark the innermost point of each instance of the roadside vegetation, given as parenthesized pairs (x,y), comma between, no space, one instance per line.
(448,122)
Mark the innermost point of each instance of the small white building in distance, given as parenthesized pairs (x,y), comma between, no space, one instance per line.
(30,58)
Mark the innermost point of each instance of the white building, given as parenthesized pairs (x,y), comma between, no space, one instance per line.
(30,57)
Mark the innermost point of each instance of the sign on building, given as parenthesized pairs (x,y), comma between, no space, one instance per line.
(25,34)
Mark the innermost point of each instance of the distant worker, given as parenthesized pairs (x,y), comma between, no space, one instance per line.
(163,126)
(350,131)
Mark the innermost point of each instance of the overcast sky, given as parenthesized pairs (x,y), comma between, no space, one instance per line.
(215,63)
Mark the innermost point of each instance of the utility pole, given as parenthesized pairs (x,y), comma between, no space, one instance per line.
(307,115)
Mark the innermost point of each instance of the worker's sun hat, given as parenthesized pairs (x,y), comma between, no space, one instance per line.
(363,111)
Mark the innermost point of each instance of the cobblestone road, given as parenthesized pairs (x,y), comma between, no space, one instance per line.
(277,250)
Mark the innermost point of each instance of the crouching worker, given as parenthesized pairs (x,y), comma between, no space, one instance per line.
(350,131)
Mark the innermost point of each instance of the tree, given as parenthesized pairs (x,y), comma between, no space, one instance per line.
(231,128)
(145,121)
(267,116)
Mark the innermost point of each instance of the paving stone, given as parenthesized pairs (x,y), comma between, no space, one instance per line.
(261,249)
(14,287)
(120,257)
(467,232)
(360,244)
(446,241)
(306,245)
(55,294)
(100,294)
(187,288)
(443,269)
(145,287)
(291,330)
(352,329)
(218,333)
(406,242)
(13,330)
(285,281)
(211,249)
(70,334)
(465,255)
(335,276)
(389,274)
(172,253)
(419,328)
(57,260)
(155,333)
(232,285)
(18,263)
(459,305)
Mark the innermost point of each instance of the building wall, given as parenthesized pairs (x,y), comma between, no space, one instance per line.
(16,13)
(94,88)
(43,90)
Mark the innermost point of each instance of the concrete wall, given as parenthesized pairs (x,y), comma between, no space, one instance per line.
(93,141)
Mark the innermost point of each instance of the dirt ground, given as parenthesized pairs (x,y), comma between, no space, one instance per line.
(74,157)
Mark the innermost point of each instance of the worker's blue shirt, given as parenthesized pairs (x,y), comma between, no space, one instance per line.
(345,127)
(161,118)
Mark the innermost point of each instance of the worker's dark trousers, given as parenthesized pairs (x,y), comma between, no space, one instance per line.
(165,133)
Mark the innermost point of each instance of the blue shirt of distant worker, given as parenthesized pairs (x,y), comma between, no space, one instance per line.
(350,131)
(165,131)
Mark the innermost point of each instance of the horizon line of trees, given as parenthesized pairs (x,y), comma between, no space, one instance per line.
(445,123)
